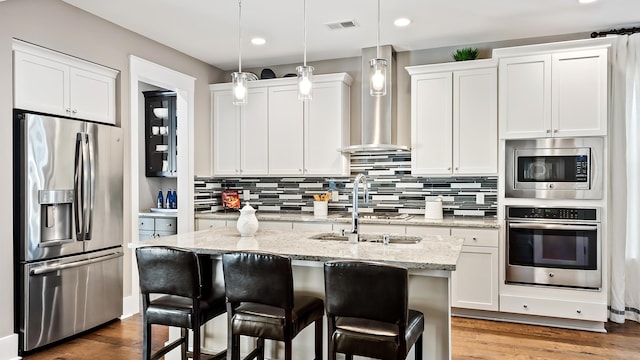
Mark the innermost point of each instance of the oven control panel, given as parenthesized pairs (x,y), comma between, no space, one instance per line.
(553,213)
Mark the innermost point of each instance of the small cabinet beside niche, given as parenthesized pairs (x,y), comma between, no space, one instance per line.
(160,134)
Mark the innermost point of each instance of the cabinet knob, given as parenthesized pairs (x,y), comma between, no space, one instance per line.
(548,131)
(474,238)
(448,168)
(552,274)
(67,110)
(579,311)
(525,306)
(74,111)
(457,168)
(555,131)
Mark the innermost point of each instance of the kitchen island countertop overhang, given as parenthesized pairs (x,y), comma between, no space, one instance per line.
(433,252)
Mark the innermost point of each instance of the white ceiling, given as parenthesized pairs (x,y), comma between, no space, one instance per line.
(208,29)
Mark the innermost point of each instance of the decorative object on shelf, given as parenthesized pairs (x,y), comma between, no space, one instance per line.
(230,199)
(305,73)
(378,69)
(247,222)
(267,74)
(161,113)
(239,78)
(465,54)
(433,208)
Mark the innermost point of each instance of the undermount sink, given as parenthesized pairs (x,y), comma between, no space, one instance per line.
(393,239)
(381,216)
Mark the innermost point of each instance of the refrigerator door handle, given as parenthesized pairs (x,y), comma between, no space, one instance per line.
(78,184)
(90,186)
(50,269)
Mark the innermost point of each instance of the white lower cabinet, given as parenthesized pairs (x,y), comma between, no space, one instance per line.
(150,227)
(475,283)
(553,308)
(202,224)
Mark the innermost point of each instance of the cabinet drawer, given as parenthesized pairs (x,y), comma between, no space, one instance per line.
(553,308)
(166,225)
(428,230)
(202,224)
(146,223)
(477,237)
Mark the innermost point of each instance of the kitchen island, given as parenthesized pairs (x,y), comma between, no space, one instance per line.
(430,263)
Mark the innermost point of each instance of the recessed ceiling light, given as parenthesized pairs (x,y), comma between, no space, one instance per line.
(586,1)
(258,41)
(402,22)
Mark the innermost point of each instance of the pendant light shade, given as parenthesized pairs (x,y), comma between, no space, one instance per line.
(378,69)
(305,73)
(239,79)
(305,85)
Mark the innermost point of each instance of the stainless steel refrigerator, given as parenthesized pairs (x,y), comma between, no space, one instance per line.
(68,226)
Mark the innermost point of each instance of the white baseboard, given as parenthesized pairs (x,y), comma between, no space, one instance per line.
(9,347)
(130,306)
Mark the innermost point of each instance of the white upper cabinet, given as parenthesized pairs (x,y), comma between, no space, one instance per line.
(326,129)
(454,129)
(286,131)
(239,134)
(553,93)
(275,134)
(54,83)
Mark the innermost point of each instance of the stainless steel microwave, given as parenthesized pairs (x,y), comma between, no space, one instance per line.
(552,168)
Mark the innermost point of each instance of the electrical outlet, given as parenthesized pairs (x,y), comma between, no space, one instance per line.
(334,195)
(479,198)
(246,195)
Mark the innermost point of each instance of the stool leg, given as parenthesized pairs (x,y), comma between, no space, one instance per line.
(196,342)
(419,348)
(287,350)
(260,345)
(331,351)
(185,344)
(348,357)
(319,339)
(146,340)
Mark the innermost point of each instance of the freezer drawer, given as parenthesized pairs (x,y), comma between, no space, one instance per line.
(63,297)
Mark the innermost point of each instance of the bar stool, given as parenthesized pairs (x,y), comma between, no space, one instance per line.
(367,311)
(188,296)
(261,303)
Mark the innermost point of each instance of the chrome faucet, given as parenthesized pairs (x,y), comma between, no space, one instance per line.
(360,178)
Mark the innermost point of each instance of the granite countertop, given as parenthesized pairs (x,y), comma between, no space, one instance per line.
(169,214)
(431,253)
(418,220)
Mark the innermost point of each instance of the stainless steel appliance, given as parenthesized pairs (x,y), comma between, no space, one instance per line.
(68,227)
(557,246)
(554,168)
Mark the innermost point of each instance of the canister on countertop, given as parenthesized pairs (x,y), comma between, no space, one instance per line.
(433,208)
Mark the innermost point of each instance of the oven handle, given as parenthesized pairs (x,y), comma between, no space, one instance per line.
(537,226)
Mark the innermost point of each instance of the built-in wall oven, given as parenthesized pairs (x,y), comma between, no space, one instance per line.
(553,246)
(554,168)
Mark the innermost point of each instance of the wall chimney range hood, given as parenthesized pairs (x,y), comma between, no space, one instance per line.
(376,110)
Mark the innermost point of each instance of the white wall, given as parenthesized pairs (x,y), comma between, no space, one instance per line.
(61,27)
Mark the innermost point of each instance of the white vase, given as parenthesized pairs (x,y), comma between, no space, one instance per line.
(247,222)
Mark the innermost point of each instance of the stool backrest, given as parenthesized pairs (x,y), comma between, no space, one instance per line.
(368,290)
(168,270)
(258,278)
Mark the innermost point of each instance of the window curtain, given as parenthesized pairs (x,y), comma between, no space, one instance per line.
(624,202)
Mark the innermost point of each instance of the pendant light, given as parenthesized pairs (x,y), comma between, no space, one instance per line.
(305,72)
(239,78)
(378,69)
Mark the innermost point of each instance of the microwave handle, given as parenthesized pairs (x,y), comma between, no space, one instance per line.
(537,226)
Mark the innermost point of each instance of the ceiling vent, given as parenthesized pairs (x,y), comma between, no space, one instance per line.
(342,24)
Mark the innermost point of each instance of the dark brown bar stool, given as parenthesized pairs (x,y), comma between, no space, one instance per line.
(261,303)
(188,296)
(367,311)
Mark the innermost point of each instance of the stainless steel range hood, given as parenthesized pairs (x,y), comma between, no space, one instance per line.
(376,110)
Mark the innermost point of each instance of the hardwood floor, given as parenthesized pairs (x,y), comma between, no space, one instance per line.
(472,339)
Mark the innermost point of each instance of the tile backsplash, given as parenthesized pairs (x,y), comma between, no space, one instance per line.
(392,188)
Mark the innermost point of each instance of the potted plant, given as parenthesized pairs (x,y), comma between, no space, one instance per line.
(465,54)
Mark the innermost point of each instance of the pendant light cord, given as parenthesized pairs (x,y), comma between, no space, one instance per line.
(304,9)
(378,43)
(239,36)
